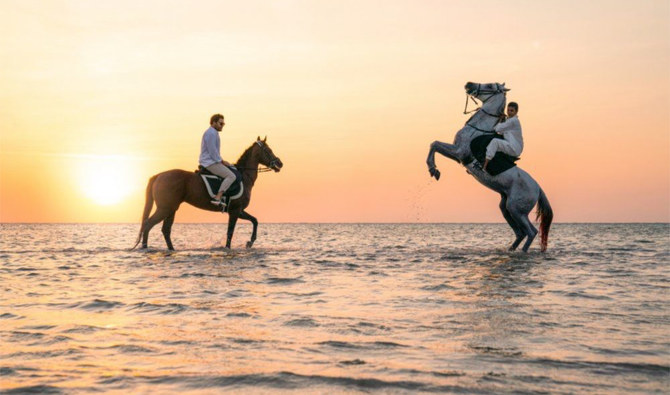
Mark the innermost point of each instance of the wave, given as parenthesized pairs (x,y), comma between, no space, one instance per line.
(97,305)
(286,381)
(302,322)
(439,287)
(87,251)
(610,368)
(131,349)
(362,345)
(83,329)
(20,335)
(284,280)
(68,352)
(9,316)
(170,308)
(34,389)
(506,352)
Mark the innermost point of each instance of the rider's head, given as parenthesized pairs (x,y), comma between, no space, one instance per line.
(512,109)
(217,122)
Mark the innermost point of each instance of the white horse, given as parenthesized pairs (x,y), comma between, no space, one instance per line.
(518,190)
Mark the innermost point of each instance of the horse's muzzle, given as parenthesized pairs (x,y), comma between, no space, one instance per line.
(276,165)
(470,88)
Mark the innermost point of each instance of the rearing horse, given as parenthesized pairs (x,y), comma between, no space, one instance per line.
(169,189)
(518,190)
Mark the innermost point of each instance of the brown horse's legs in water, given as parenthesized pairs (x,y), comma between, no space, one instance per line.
(254,222)
(159,215)
(167,228)
(232,220)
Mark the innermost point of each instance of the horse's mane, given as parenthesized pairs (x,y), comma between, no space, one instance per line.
(245,155)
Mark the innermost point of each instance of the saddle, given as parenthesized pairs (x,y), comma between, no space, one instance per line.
(213,182)
(500,162)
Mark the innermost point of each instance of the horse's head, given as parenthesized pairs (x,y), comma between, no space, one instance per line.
(265,156)
(485,92)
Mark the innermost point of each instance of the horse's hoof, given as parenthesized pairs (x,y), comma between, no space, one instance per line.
(249,244)
(434,173)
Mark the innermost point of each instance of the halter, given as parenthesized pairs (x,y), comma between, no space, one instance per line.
(472,96)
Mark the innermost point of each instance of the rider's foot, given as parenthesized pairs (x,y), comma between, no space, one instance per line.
(217,202)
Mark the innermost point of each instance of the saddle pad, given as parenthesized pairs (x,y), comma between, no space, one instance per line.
(500,161)
(213,182)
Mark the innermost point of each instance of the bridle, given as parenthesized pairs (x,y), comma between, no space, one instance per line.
(267,157)
(471,95)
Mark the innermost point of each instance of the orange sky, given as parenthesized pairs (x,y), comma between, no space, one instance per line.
(350,95)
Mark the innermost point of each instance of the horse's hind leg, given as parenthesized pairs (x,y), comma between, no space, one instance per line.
(157,217)
(523,221)
(167,229)
(520,234)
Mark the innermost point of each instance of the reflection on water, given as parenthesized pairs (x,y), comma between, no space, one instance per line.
(326,308)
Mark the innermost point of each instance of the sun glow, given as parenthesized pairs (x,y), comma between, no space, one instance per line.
(105,180)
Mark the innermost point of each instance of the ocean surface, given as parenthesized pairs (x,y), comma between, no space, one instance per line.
(334,308)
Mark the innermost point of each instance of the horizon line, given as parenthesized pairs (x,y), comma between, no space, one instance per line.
(329,223)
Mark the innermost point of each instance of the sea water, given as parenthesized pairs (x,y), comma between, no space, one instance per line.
(332,308)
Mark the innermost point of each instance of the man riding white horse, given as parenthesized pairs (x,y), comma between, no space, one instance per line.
(510,129)
(519,192)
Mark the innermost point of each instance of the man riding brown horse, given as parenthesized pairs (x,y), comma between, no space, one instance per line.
(210,156)
(169,189)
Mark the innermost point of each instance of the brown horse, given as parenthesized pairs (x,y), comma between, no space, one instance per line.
(169,189)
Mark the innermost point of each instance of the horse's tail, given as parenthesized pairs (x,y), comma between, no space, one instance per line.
(545,214)
(148,205)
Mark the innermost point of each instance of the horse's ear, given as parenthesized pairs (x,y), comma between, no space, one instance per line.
(505,89)
(265,139)
(258,138)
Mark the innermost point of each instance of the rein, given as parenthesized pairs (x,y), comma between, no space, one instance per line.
(258,169)
(465,110)
(481,130)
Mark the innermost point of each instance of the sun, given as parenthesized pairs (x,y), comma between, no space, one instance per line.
(105,180)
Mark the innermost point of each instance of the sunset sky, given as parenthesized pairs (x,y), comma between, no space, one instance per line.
(97,96)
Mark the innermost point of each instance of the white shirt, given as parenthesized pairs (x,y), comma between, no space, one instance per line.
(210,148)
(511,131)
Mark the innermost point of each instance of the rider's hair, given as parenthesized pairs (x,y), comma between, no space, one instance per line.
(514,105)
(215,118)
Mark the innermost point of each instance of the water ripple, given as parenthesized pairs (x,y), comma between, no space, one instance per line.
(334,308)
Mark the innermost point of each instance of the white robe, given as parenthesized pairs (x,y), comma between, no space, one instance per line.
(513,142)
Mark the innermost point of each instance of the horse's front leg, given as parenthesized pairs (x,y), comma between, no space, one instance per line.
(254,222)
(448,150)
(232,220)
